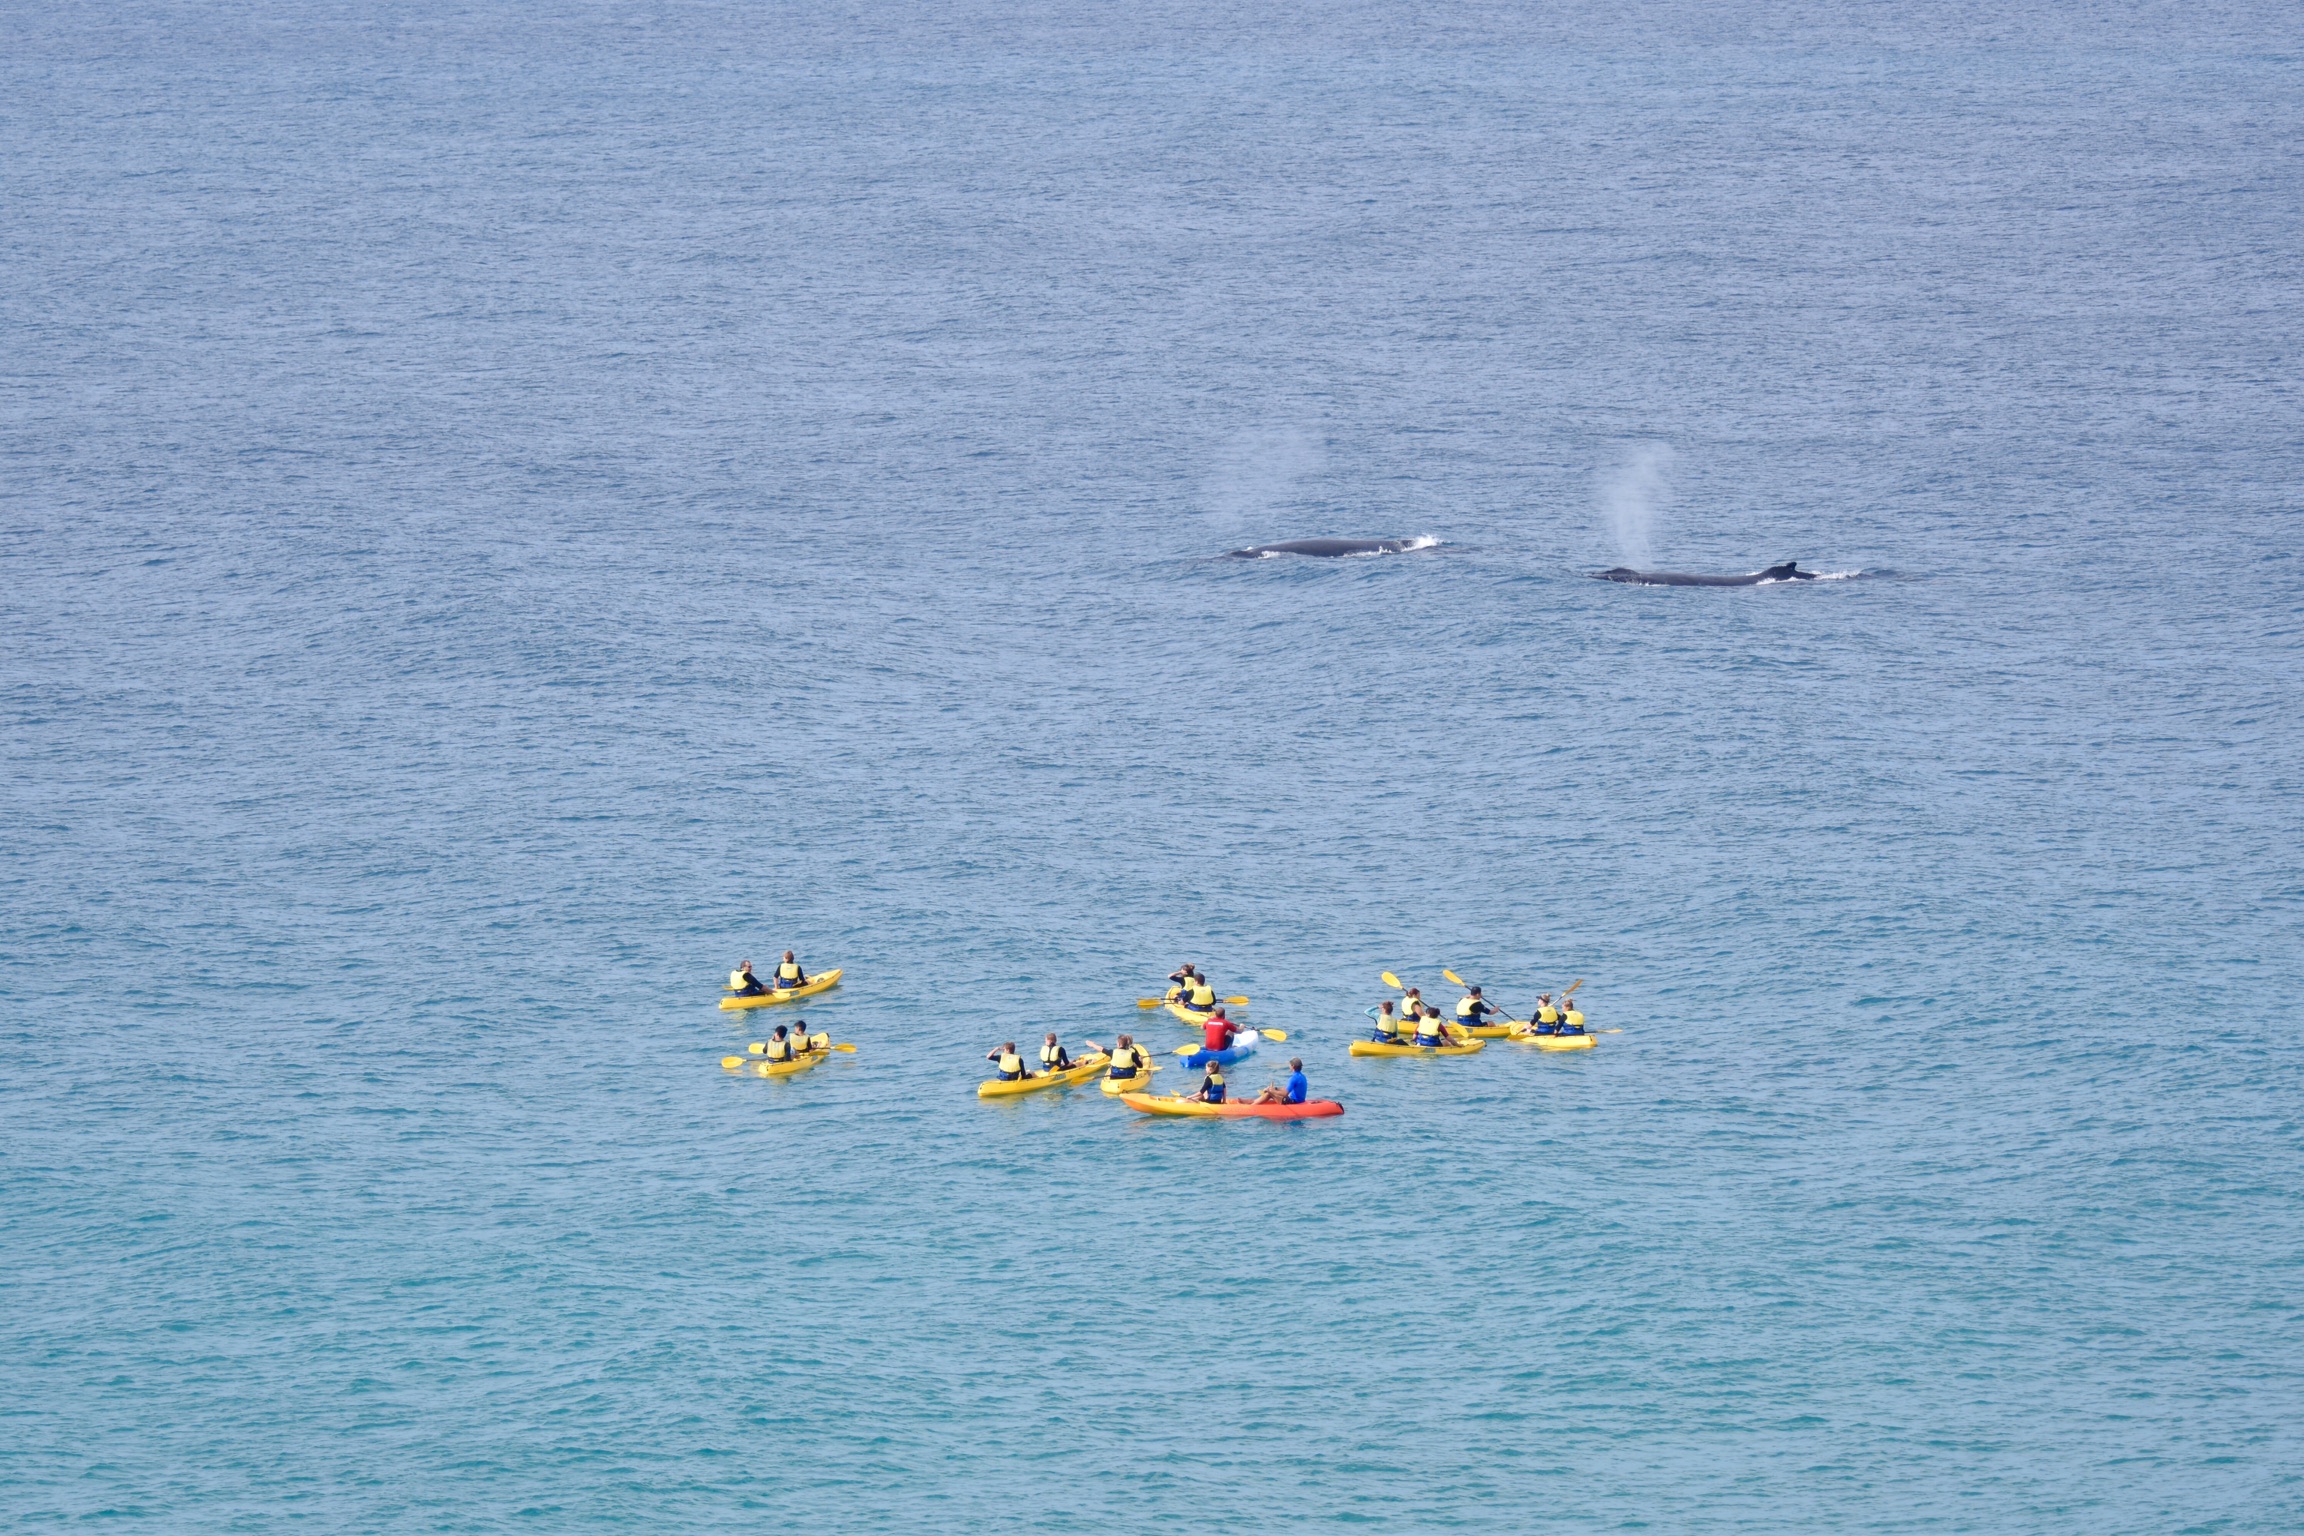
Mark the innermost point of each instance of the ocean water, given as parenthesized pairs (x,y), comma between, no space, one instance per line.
(509,511)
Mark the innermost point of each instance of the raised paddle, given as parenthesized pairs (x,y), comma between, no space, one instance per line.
(1452,976)
(1391,981)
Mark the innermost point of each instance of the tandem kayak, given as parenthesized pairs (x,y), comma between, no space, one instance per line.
(1163,1104)
(1242,1047)
(1191,1016)
(1555,1042)
(1140,1083)
(1382,1048)
(823,981)
(799,1063)
(1079,1072)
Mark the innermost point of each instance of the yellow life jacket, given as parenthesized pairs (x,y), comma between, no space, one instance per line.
(778,1050)
(789,972)
(1428,1028)
(1127,1060)
(819,1042)
(1050,1053)
(1467,1007)
(736,981)
(1215,1076)
(1575,1017)
(1012,1063)
(1389,1023)
(1203,995)
(1547,1014)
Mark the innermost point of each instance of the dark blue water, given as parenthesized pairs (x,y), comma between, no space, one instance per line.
(508,512)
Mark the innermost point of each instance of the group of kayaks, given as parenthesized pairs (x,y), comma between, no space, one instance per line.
(790,1054)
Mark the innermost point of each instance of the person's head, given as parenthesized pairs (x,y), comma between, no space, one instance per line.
(1220,1014)
(1127,1039)
(1295,1063)
(1009,1047)
(1384,1006)
(787,954)
(747,965)
(1475,991)
(1051,1037)
(779,1031)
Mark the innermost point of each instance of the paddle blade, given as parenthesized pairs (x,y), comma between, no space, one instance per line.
(1235,1002)
(851,1050)
(731,1062)
(1393,982)
(1452,976)
(1570,992)
(1186,1050)
(1276,1036)
(1147,1002)
(758,1048)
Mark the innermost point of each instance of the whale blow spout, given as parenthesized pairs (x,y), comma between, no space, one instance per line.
(1788,571)
(1330,549)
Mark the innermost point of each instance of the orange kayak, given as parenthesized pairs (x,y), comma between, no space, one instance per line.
(1161,1104)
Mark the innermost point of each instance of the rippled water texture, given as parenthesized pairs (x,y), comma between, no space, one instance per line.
(510,510)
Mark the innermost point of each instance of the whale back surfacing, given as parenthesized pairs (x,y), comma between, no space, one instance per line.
(1323,549)
(1788,571)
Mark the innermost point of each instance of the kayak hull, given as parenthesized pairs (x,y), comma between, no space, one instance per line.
(1557,1042)
(1140,1083)
(1379,1048)
(800,1063)
(1188,1015)
(824,981)
(1183,1108)
(1079,1072)
(1240,1050)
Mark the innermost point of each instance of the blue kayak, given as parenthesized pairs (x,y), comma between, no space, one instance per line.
(1243,1046)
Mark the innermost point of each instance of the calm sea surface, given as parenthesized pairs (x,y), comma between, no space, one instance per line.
(508,510)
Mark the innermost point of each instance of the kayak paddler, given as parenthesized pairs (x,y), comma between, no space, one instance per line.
(1127,1058)
(1218,1033)
(1387,1024)
(788,974)
(1572,1022)
(1199,996)
(1211,1086)
(1180,978)
(804,1041)
(1428,1030)
(1011,1065)
(1472,1009)
(1296,1092)
(743,983)
(779,1048)
(1053,1057)
(1547,1016)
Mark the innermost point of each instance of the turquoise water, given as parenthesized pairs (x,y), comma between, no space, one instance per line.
(510,513)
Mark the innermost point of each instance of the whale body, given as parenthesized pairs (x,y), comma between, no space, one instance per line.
(1788,571)
(1325,549)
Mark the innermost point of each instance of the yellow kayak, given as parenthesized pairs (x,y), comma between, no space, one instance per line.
(1079,1072)
(799,1063)
(1556,1042)
(1487,1031)
(822,981)
(1140,1083)
(1193,1017)
(1379,1048)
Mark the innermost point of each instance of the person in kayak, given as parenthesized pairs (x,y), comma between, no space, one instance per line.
(743,983)
(803,1042)
(1053,1056)
(1127,1058)
(1428,1028)
(1572,1022)
(1199,996)
(1180,978)
(1296,1090)
(1219,1032)
(1547,1016)
(779,1047)
(1011,1065)
(1387,1024)
(788,973)
(1472,1009)
(1211,1086)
